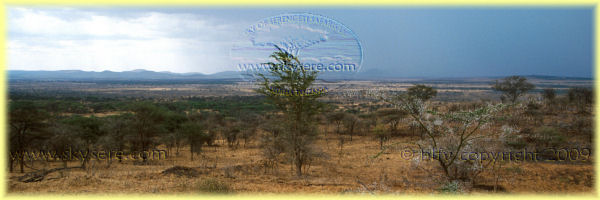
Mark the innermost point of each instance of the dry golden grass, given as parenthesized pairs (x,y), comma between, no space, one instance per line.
(241,170)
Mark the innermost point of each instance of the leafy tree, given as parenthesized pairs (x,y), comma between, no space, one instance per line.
(88,130)
(351,122)
(195,134)
(232,132)
(214,124)
(422,92)
(393,117)
(272,142)
(581,97)
(64,138)
(27,121)
(172,137)
(298,110)
(381,134)
(337,118)
(116,129)
(549,95)
(513,87)
(367,121)
(147,124)
(250,122)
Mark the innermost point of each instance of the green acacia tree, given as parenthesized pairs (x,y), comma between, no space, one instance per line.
(393,117)
(581,97)
(195,135)
(422,92)
(88,130)
(299,108)
(337,118)
(27,120)
(513,87)
(147,123)
(381,134)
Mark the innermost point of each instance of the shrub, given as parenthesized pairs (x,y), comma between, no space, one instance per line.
(582,127)
(516,170)
(458,132)
(214,186)
(452,187)
(516,142)
(512,138)
(549,95)
(549,136)
(581,97)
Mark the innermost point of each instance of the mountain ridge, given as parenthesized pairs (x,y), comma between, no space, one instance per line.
(143,74)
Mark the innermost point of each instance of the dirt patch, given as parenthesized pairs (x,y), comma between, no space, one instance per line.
(182,171)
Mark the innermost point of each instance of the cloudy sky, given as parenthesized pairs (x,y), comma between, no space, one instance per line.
(439,42)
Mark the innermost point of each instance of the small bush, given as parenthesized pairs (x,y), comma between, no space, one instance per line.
(453,187)
(181,171)
(549,136)
(512,138)
(214,186)
(515,169)
(582,127)
(516,143)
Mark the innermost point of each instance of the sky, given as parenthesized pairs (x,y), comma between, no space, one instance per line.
(406,42)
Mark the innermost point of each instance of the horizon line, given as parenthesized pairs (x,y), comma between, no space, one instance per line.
(370,76)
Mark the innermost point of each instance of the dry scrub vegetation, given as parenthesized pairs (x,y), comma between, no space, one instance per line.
(354,171)
(352,145)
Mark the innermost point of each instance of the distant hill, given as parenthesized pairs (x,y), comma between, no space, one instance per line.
(557,77)
(141,74)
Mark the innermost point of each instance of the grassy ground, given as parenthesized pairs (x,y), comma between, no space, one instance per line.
(240,170)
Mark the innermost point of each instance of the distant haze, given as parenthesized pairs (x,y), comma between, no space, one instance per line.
(397,42)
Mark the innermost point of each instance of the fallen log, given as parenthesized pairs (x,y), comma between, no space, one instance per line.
(41,174)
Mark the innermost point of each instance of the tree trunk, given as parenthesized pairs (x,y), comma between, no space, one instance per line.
(21,162)
(298,168)
(11,165)
(191,152)
(85,158)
